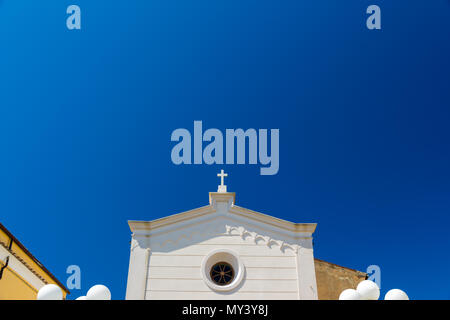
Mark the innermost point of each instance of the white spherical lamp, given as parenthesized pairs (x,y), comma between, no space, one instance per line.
(98,292)
(81,298)
(50,292)
(368,290)
(349,294)
(396,294)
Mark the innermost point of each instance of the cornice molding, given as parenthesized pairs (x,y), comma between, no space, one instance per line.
(139,226)
(296,228)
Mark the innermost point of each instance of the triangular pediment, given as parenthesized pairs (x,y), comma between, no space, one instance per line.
(221,218)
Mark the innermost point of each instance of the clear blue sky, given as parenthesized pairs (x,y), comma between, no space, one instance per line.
(86,118)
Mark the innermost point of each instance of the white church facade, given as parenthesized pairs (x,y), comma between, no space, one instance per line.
(222,251)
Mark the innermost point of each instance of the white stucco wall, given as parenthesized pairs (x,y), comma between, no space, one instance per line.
(269,273)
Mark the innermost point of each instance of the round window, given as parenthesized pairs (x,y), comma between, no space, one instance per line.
(222,270)
(222,273)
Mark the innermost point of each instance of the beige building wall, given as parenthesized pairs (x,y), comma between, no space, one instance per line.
(333,279)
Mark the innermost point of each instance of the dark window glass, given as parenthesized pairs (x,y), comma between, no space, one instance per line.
(222,273)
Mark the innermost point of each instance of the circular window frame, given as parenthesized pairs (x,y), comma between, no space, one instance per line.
(227,256)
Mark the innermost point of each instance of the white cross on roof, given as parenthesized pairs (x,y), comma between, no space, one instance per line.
(222,187)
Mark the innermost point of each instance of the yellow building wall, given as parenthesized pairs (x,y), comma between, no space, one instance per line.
(4,238)
(12,285)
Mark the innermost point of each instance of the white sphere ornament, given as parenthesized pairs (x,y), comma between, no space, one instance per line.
(396,294)
(50,292)
(81,298)
(349,294)
(368,290)
(98,292)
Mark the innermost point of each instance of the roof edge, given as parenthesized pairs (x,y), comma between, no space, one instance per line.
(140,225)
(16,241)
(339,266)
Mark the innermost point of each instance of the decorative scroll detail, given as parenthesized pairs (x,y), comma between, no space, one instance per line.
(258,238)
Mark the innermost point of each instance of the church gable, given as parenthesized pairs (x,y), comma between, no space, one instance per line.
(221,251)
